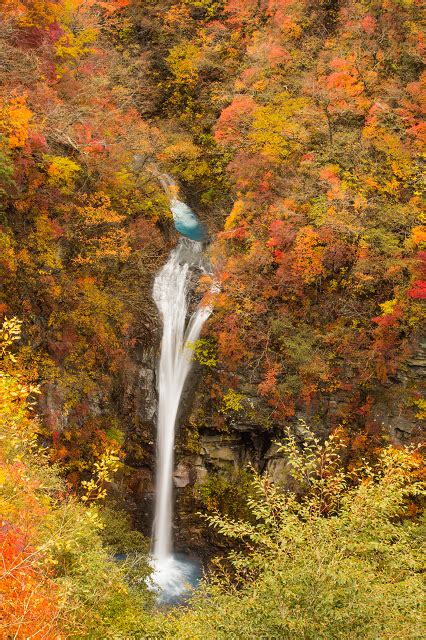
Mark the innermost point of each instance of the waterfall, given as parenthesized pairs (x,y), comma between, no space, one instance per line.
(171,574)
(185,220)
(171,289)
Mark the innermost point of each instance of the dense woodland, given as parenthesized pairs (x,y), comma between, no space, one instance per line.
(295,130)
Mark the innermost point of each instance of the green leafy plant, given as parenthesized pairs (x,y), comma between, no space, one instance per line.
(232,401)
(338,559)
(205,352)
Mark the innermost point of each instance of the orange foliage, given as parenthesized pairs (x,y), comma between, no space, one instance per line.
(28,597)
(112,5)
(241,10)
(269,381)
(345,86)
(299,142)
(34,13)
(233,119)
(369,24)
(14,120)
(285,14)
(309,254)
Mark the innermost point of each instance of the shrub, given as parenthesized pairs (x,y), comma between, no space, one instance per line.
(342,562)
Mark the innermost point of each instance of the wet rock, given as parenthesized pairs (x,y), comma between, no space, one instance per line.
(219,450)
(201,475)
(142,483)
(278,471)
(278,468)
(182,475)
(403,425)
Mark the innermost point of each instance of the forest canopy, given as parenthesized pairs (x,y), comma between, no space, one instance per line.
(295,129)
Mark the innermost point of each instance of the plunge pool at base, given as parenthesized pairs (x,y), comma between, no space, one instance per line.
(174,578)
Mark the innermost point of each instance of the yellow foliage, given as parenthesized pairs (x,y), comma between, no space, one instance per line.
(234,215)
(10,332)
(42,13)
(43,244)
(100,231)
(76,46)
(98,210)
(232,401)
(275,129)
(14,393)
(396,155)
(36,13)
(62,172)
(7,254)
(186,161)
(421,405)
(105,468)
(388,307)
(182,150)
(183,63)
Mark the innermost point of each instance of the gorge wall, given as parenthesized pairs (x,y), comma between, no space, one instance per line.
(212,459)
(294,129)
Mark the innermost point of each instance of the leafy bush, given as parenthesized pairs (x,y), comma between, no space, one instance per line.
(58,575)
(342,562)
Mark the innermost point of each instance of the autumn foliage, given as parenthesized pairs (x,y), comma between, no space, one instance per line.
(29,600)
(321,249)
(78,220)
(296,130)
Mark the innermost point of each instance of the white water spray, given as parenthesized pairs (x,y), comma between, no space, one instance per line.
(171,289)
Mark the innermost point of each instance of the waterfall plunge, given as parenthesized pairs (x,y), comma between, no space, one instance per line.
(171,288)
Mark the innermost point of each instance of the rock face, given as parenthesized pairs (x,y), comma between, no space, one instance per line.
(138,410)
(395,409)
(247,437)
(212,444)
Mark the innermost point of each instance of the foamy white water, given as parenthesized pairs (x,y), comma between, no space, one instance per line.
(173,578)
(171,288)
(186,222)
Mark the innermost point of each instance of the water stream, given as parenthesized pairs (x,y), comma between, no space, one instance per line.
(171,573)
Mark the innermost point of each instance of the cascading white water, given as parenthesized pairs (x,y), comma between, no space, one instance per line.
(171,289)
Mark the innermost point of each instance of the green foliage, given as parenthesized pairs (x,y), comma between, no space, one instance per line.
(117,533)
(205,352)
(232,401)
(73,545)
(210,7)
(227,493)
(297,342)
(6,169)
(339,563)
(306,117)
